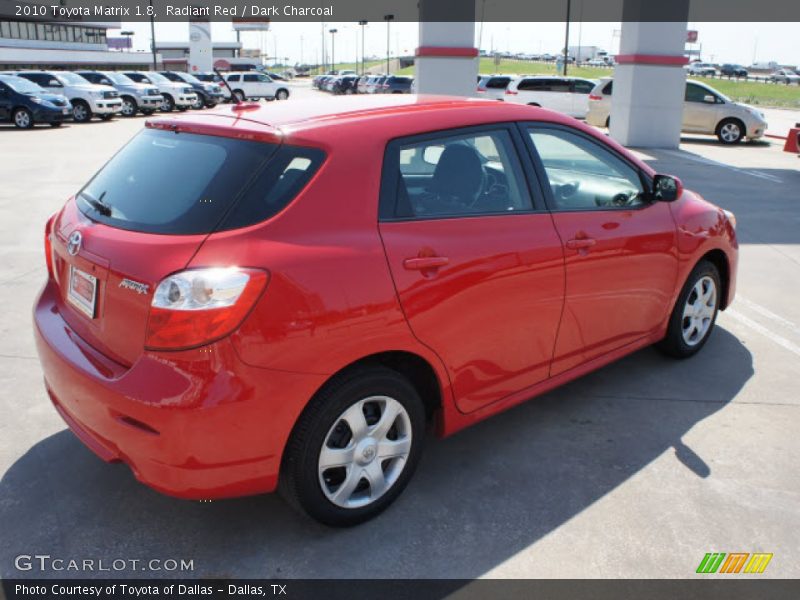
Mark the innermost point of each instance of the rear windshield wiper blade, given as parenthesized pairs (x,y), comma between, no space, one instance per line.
(97,203)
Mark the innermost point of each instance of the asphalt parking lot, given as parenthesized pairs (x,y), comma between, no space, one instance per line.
(636,470)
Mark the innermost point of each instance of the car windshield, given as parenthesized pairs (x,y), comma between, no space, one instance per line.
(21,85)
(189,78)
(119,78)
(156,77)
(185,183)
(72,78)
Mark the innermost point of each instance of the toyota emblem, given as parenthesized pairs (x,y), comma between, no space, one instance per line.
(74,243)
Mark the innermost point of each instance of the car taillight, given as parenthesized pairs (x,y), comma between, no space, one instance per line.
(481,90)
(511,92)
(595,97)
(198,306)
(48,244)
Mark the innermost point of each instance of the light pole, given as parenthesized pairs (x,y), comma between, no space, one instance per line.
(388,19)
(566,42)
(333,48)
(153,36)
(363,63)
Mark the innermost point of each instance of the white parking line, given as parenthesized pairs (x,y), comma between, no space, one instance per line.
(765,312)
(780,340)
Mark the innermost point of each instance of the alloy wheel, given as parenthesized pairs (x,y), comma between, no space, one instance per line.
(22,119)
(730,132)
(699,310)
(365,452)
(128,108)
(80,113)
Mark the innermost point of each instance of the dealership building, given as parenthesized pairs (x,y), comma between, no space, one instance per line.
(54,45)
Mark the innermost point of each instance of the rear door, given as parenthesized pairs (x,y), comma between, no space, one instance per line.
(477,264)
(620,248)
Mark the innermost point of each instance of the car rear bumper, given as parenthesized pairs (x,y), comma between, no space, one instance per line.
(194,424)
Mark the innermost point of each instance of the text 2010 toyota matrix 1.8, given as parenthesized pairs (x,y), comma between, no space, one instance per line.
(228,314)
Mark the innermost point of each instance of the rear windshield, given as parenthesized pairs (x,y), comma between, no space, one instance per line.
(184,183)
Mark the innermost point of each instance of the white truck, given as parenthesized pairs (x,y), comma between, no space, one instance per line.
(175,95)
(87,99)
(252,84)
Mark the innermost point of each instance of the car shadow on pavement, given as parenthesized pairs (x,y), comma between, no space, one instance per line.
(477,499)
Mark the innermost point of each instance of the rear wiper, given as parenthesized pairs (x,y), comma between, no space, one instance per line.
(97,203)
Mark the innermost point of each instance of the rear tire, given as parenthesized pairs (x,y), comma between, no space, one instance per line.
(378,457)
(281,94)
(695,312)
(239,96)
(730,131)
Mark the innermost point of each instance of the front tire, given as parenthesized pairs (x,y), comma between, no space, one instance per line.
(354,448)
(167,103)
(81,113)
(730,131)
(695,312)
(23,118)
(200,103)
(129,107)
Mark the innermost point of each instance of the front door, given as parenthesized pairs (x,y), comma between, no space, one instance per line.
(478,267)
(620,254)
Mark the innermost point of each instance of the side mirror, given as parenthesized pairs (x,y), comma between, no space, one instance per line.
(667,188)
(709,99)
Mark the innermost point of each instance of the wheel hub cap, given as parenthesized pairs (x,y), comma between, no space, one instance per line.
(699,311)
(364,452)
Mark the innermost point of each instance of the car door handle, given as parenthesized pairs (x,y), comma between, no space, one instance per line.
(580,243)
(420,263)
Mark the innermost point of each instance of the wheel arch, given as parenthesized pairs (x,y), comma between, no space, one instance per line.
(419,372)
(718,258)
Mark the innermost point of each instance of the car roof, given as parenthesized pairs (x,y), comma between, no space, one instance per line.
(372,116)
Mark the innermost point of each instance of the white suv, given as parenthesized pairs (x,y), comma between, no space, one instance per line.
(175,95)
(569,95)
(705,110)
(252,84)
(87,99)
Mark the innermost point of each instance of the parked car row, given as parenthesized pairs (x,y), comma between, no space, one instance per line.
(701,69)
(351,83)
(51,97)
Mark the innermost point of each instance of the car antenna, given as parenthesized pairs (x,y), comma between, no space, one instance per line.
(234,97)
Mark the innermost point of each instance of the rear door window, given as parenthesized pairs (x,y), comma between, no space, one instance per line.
(184,183)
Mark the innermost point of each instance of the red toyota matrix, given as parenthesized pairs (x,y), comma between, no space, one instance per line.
(284,297)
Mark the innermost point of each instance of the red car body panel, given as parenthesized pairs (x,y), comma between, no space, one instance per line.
(513,312)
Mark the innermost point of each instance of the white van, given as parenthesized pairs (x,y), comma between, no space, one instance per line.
(254,85)
(569,95)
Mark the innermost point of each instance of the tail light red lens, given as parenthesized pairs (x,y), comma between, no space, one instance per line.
(481,90)
(48,244)
(198,306)
(595,97)
(511,92)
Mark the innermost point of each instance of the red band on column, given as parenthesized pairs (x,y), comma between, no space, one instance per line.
(651,59)
(447,51)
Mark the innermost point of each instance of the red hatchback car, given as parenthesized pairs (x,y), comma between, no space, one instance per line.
(228,314)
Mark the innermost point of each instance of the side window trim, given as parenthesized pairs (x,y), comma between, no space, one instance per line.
(390,172)
(541,173)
